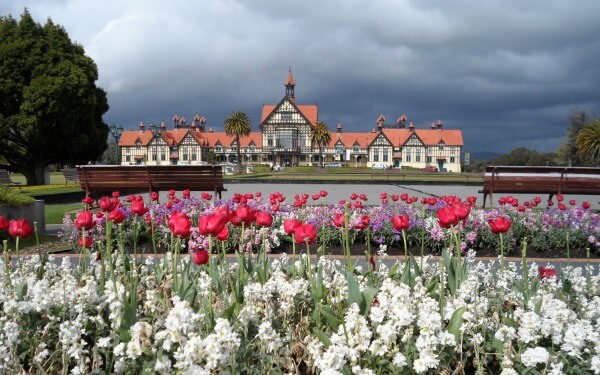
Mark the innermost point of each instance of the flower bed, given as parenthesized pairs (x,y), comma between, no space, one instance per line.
(112,310)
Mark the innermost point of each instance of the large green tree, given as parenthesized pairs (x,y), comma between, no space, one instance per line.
(238,124)
(588,142)
(50,108)
(320,136)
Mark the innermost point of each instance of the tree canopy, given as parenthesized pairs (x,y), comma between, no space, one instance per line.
(320,136)
(588,142)
(50,108)
(238,124)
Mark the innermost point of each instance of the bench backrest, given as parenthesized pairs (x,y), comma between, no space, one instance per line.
(542,180)
(5,177)
(153,178)
(71,174)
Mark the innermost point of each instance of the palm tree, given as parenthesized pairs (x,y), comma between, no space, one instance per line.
(238,124)
(588,142)
(320,135)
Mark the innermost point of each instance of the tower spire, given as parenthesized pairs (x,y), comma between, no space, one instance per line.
(289,85)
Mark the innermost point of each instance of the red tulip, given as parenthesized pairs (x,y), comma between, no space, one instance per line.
(20,228)
(200,257)
(471,200)
(383,196)
(106,204)
(384,202)
(264,219)
(316,197)
(372,261)
(546,273)
(550,203)
(353,196)
(404,197)
(202,225)
(358,204)
(363,197)
(246,214)
(116,194)
(537,200)
(138,208)
(447,216)
(559,197)
(562,206)
(116,216)
(363,223)
(572,202)
(223,235)
(305,233)
(585,205)
(290,225)
(258,194)
(180,224)
(3,223)
(401,222)
(99,215)
(84,220)
(500,224)
(88,200)
(186,194)
(431,201)
(88,242)
(395,197)
(154,196)
(462,210)
(339,220)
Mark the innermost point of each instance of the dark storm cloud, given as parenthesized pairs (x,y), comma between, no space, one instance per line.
(508,73)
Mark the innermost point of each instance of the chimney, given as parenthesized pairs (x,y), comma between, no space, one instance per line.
(380,121)
(141,127)
(339,127)
(210,130)
(401,121)
(439,124)
(433,125)
(411,127)
(163,126)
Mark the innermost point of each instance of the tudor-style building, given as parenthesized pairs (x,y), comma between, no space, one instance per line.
(284,139)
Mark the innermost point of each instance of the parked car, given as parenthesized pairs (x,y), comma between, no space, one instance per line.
(333,165)
(429,169)
(379,166)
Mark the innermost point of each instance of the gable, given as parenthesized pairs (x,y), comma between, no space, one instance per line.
(381,140)
(414,140)
(288,112)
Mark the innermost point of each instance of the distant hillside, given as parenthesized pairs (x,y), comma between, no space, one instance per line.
(484,155)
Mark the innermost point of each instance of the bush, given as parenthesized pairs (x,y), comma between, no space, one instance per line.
(10,197)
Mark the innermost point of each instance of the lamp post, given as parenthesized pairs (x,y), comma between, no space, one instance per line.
(116,132)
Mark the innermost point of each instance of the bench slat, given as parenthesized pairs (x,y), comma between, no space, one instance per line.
(153,178)
(540,180)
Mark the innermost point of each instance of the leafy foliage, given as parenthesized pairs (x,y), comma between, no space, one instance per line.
(51,109)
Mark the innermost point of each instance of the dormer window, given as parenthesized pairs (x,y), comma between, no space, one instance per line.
(138,144)
(234,146)
(339,148)
(356,147)
(219,147)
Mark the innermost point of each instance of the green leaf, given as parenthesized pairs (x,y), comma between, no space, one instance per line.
(456,322)
(354,294)
(322,337)
(332,321)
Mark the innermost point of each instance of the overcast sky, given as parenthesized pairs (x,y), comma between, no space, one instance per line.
(506,72)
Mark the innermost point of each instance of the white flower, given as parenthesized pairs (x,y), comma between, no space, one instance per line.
(533,356)
(596,364)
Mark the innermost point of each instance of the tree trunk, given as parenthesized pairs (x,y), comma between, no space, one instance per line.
(321,155)
(239,160)
(35,175)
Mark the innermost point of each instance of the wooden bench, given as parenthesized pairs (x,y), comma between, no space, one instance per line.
(6,180)
(105,178)
(540,180)
(71,174)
